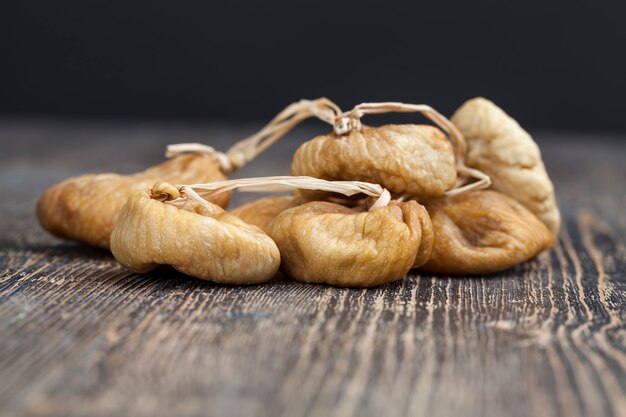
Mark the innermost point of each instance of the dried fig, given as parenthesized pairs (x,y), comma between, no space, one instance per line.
(482,232)
(201,240)
(499,147)
(324,242)
(263,211)
(414,159)
(85,208)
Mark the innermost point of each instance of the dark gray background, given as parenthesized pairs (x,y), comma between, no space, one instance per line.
(552,64)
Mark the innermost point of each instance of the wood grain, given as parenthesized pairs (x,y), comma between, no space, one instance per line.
(80,336)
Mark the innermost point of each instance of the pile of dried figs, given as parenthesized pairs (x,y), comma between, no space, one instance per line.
(464,196)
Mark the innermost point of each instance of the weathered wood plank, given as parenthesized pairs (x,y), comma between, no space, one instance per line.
(81,336)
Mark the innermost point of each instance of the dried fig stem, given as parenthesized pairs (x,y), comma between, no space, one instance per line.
(247,149)
(163,191)
(197,192)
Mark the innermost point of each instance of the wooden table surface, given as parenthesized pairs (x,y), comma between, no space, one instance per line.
(80,336)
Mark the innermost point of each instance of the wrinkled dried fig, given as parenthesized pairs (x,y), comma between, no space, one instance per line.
(203,241)
(324,242)
(482,232)
(499,147)
(85,208)
(414,159)
(263,211)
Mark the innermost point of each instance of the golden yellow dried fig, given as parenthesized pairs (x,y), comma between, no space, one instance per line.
(499,147)
(85,208)
(263,211)
(324,242)
(200,240)
(414,159)
(482,232)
